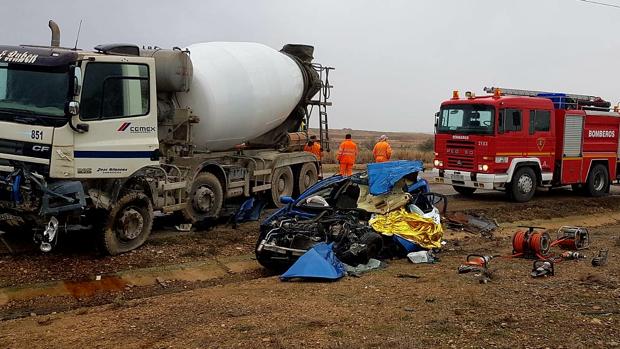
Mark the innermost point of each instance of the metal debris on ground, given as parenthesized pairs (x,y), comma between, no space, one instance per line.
(600,259)
(471,223)
(543,268)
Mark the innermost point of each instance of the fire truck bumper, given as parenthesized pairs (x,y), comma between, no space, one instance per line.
(470,179)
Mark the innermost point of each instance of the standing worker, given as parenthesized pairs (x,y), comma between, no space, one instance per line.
(314,147)
(382,150)
(347,152)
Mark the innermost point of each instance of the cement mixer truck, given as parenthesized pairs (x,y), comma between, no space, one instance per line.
(102,140)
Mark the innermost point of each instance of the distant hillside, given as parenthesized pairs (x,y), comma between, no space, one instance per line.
(404,144)
(369,138)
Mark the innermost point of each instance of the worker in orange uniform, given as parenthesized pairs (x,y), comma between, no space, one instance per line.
(347,152)
(314,147)
(382,150)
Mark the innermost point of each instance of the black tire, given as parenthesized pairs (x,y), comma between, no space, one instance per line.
(308,176)
(205,199)
(129,224)
(465,191)
(598,181)
(282,184)
(523,184)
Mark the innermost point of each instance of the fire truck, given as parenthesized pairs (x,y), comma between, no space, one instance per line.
(520,140)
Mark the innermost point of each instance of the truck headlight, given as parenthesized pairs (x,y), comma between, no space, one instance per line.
(501,159)
(483,168)
(438,163)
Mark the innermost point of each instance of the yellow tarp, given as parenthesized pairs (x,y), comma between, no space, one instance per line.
(411,226)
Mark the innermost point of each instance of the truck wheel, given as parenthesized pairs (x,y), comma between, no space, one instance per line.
(523,184)
(308,175)
(598,181)
(282,183)
(129,224)
(205,198)
(465,191)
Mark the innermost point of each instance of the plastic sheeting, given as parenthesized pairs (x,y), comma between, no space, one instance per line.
(425,231)
(319,262)
(383,176)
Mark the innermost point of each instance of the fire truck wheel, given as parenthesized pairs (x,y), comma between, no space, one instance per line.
(598,181)
(282,183)
(205,198)
(465,191)
(129,224)
(307,177)
(523,184)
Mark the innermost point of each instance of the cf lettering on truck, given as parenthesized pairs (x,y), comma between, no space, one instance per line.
(521,140)
(96,141)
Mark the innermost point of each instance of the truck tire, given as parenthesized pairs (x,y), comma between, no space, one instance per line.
(205,198)
(465,191)
(598,181)
(523,184)
(282,184)
(308,176)
(128,225)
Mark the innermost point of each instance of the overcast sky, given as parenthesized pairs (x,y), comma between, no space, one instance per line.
(395,60)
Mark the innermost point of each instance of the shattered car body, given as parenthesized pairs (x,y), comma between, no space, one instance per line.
(331,211)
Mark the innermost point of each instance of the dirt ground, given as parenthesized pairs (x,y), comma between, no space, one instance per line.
(403,305)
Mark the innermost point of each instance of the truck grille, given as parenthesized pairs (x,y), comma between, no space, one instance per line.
(460,154)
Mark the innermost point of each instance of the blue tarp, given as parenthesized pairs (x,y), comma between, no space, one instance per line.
(408,246)
(250,210)
(319,262)
(383,175)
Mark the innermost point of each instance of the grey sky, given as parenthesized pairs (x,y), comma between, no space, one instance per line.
(396,60)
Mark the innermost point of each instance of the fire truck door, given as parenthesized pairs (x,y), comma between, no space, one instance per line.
(572,149)
(541,140)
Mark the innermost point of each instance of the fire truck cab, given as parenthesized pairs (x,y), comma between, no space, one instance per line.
(519,140)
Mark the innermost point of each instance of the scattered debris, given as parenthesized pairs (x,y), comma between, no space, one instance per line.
(421,257)
(543,268)
(471,223)
(183,227)
(364,268)
(572,255)
(601,259)
(407,276)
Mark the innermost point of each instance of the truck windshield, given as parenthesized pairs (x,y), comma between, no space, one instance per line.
(37,93)
(466,119)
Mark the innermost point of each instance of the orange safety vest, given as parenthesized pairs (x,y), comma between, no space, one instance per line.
(382,151)
(347,152)
(315,149)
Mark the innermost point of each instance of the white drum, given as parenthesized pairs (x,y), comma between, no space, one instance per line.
(240,91)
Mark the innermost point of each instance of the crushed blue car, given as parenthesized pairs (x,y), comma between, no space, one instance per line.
(328,212)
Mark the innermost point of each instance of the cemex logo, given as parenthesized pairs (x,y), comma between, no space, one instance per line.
(126,126)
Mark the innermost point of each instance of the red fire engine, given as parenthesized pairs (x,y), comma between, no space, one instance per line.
(518,140)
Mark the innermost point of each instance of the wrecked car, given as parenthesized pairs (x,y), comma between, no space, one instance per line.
(338,210)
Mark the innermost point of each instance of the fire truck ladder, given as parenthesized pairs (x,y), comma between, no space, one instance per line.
(569,99)
(322,103)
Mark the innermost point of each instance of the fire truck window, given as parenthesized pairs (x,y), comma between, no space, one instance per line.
(512,120)
(540,121)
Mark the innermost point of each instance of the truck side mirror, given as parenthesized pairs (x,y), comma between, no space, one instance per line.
(77,81)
